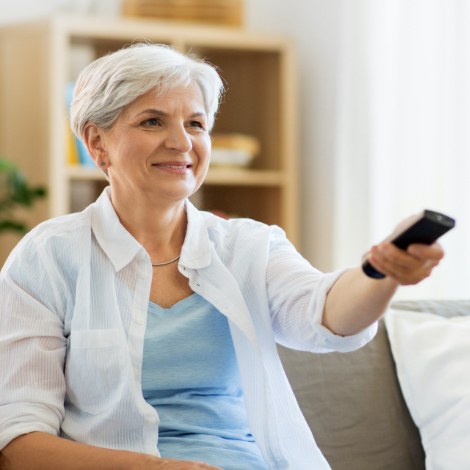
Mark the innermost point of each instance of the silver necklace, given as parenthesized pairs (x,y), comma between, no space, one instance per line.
(156,265)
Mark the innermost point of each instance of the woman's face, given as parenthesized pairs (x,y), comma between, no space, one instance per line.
(159,146)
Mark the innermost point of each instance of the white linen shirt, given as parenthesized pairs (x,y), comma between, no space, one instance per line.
(74,296)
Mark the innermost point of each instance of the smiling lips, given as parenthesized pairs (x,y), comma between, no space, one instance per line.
(178,168)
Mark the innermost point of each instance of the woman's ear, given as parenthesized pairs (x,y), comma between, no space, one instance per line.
(93,140)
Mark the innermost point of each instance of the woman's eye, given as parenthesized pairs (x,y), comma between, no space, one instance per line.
(152,122)
(196,124)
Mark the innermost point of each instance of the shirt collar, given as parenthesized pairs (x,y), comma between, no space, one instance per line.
(118,244)
(121,247)
(196,250)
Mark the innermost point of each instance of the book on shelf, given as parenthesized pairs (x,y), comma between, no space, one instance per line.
(81,155)
(71,147)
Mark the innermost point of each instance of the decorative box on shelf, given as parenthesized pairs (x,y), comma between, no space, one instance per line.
(219,12)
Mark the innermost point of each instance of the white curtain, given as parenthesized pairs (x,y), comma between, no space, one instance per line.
(403,129)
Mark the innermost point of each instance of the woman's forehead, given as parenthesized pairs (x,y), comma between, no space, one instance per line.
(171,99)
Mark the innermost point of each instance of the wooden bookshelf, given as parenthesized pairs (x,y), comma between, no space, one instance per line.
(38,59)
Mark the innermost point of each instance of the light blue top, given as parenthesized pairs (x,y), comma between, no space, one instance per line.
(190,375)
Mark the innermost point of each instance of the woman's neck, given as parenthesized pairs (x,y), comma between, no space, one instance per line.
(159,228)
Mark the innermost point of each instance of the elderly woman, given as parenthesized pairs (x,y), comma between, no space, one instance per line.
(141,333)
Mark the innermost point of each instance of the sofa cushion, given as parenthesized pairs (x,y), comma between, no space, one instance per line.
(354,406)
(432,354)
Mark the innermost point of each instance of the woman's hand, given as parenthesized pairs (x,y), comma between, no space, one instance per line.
(148,462)
(405,267)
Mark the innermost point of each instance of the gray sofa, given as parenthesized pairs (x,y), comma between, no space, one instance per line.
(354,404)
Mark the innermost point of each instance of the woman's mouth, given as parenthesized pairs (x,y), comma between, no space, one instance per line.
(175,168)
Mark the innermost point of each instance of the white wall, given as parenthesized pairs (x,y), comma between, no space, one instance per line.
(314,27)
(23,10)
(11,10)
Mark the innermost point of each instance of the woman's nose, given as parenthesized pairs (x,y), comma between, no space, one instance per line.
(178,139)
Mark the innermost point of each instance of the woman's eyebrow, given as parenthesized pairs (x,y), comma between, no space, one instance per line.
(198,114)
(159,112)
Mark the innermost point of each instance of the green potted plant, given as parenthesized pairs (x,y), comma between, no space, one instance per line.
(15,192)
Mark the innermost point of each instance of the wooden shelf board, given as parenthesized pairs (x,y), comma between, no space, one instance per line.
(244,177)
(124,29)
(217,176)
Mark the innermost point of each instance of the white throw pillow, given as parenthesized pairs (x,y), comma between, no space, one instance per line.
(432,355)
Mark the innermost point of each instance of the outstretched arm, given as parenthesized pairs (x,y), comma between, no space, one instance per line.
(355,301)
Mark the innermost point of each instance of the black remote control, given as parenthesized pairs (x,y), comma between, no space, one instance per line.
(425,228)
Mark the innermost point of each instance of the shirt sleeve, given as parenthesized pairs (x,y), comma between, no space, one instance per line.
(297,293)
(32,348)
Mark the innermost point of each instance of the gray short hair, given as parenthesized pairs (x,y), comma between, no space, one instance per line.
(113,81)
